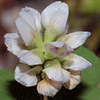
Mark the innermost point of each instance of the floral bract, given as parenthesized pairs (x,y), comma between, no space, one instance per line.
(45,51)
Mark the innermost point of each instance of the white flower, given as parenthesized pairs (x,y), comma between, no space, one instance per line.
(48,51)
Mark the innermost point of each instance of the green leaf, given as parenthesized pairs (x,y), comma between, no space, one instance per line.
(90,76)
(5,77)
(87,90)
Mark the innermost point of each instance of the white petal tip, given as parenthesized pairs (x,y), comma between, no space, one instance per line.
(89,33)
(90,65)
(75,62)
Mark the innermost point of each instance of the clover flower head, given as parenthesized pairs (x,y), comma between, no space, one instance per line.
(45,50)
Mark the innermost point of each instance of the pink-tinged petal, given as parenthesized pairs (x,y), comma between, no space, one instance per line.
(54,18)
(25,75)
(54,72)
(75,39)
(57,49)
(13,42)
(74,80)
(76,62)
(46,89)
(29,57)
(56,85)
(28,24)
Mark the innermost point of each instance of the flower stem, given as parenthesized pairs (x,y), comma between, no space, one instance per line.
(45,98)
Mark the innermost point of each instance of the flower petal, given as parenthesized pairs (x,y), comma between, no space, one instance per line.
(46,89)
(28,24)
(29,57)
(25,75)
(13,42)
(54,72)
(54,18)
(56,85)
(74,80)
(57,49)
(32,18)
(75,39)
(76,62)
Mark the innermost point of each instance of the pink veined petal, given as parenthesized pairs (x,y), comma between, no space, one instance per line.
(29,57)
(57,74)
(25,75)
(57,49)
(28,24)
(54,72)
(54,19)
(32,17)
(46,89)
(14,43)
(76,63)
(74,80)
(75,39)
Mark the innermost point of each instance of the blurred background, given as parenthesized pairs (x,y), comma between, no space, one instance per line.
(84,16)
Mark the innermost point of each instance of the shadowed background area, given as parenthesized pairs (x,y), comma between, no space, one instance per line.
(84,15)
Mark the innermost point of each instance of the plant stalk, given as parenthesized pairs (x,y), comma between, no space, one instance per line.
(45,98)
